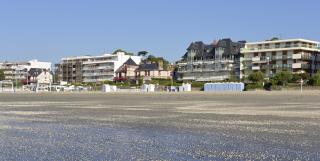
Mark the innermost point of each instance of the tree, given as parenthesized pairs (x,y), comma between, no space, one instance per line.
(299,76)
(315,80)
(233,76)
(2,77)
(118,50)
(142,53)
(152,58)
(283,78)
(256,77)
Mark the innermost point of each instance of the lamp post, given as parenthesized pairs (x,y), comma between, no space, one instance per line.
(268,62)
(301,84)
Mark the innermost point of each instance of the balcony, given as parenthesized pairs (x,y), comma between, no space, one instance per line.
(287,65)
(296,65)
(306,57)
(256,59)
(97,74)
(272,48)
(256,68)
(296,56)
(97,67)
(276,57)
(276,66)
(89,80)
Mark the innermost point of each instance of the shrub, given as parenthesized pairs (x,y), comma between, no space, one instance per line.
(315,80)
(253,86)
(256,77)
(282,78)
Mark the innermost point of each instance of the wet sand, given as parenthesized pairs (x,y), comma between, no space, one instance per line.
(160,126)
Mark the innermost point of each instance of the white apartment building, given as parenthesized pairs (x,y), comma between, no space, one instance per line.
(20,70)
(103,68)
(272,56)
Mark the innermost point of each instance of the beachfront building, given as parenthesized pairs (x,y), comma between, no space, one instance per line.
(273,56)
(21,71)
(70,69)
(91,69)
(103,68)
(217,61)
(150,70)
(127,71)
(147,70)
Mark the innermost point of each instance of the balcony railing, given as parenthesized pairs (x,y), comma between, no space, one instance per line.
(97,74)
(286,46)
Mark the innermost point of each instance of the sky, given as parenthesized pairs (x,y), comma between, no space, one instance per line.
(48,30)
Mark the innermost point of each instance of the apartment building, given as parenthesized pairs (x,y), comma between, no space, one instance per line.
(21,71)
(210,62)
(92,69)
(70,69)
(272,56)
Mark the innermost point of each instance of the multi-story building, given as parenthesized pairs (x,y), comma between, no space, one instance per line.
(103,68)
(70,69)
(20,71)
(91,69)
(272,56)
(210,62)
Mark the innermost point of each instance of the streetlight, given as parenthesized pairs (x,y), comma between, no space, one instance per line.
(268,62)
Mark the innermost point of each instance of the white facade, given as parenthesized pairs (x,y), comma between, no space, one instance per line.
(103,68)
(270,57)
(19,70)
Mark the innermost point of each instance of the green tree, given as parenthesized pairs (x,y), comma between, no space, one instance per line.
(256,77)
(2,77)
(299,76)
(142,53)
(152,58)
(118,50)
(282,78)
(233,76)
(315,80)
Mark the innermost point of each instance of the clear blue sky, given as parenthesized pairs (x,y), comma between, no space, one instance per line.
(51,29)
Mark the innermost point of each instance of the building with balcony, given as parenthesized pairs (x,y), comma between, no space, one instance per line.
(70,69)
(91,69)
(210,62)
(273,56)
(22,71)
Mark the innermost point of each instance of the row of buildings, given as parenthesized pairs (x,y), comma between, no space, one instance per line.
(24,72)
(108,67)
(88,69)
(221,60)
(225,59)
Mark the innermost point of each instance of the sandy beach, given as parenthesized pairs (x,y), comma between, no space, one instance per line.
(255,125)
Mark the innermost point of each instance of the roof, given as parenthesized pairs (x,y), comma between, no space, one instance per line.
(152,66)
(34,72)
(205,51)
(131,62)
(284,40)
